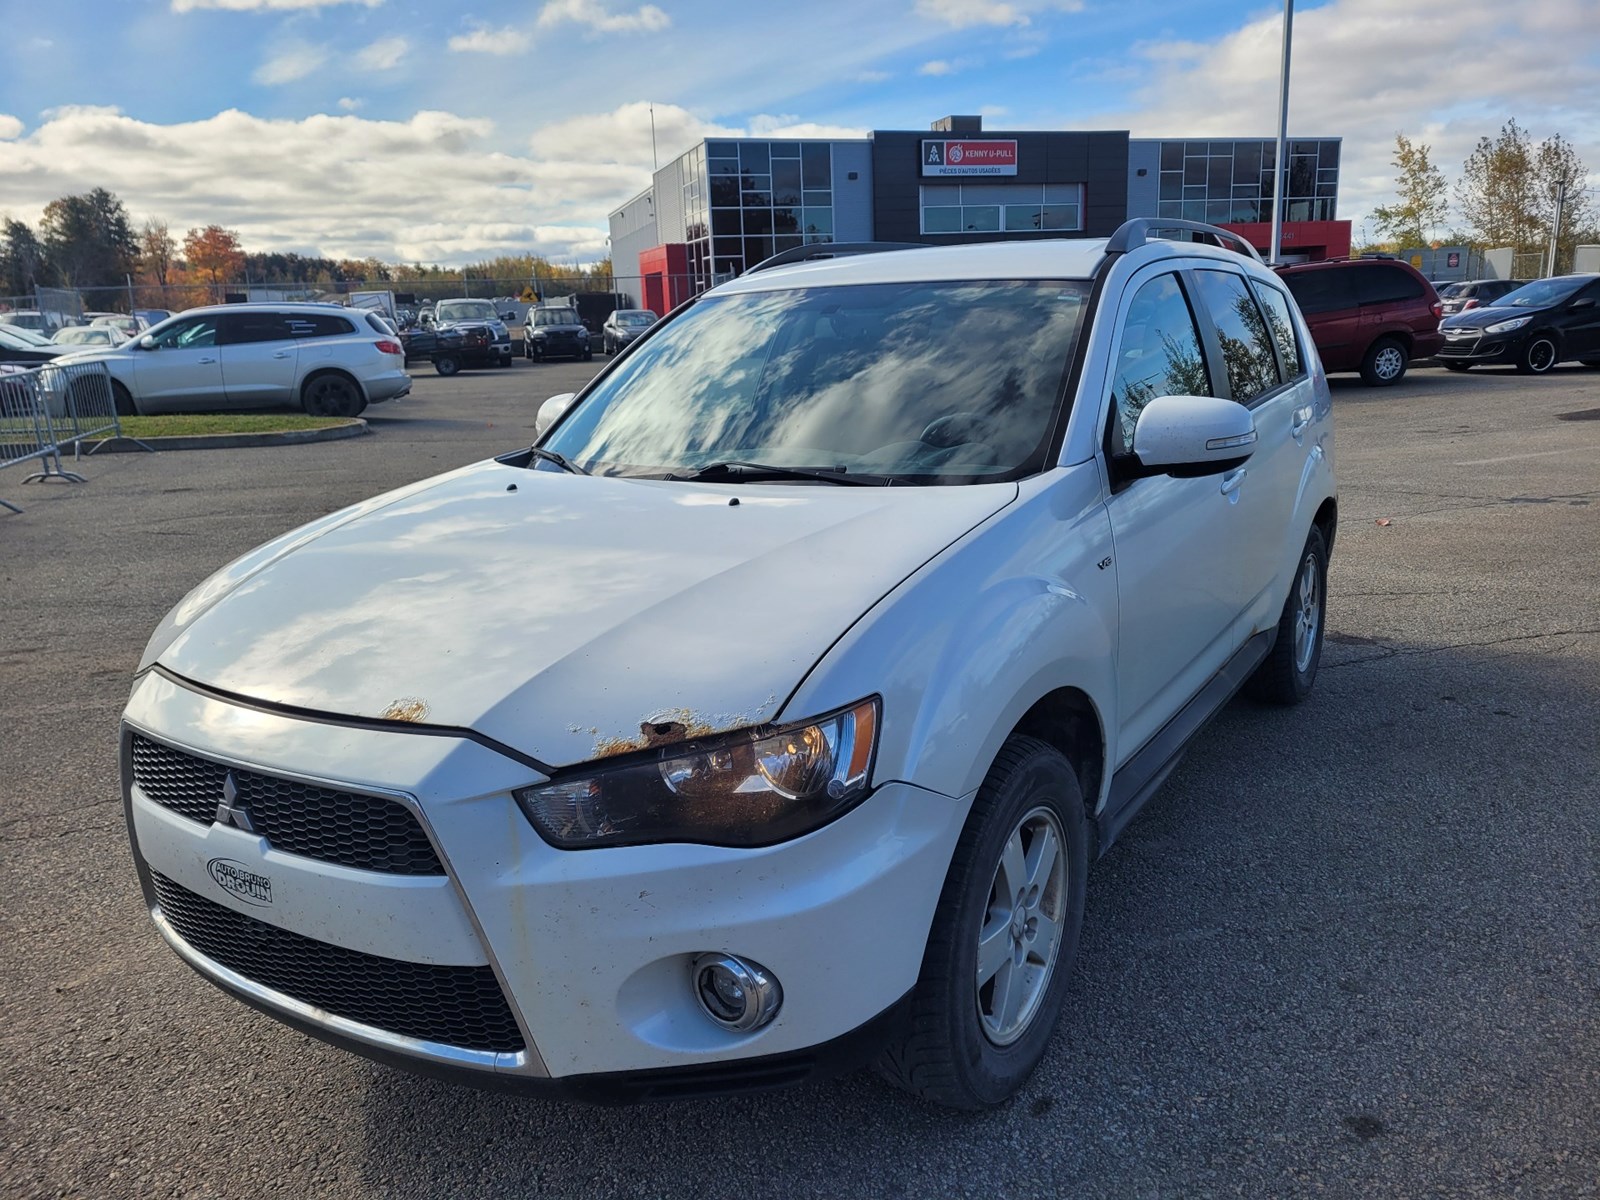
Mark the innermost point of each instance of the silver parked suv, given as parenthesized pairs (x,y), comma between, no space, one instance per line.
(323,358)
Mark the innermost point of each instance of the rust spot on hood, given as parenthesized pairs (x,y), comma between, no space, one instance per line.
(670,728)
(407,708)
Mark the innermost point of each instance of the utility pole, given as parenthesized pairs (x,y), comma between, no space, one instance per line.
(655,163)
(1555,229)
(1281,165)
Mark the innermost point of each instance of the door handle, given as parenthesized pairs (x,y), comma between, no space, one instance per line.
(1232,480)
(205,360)
(281,354)
(1301,418)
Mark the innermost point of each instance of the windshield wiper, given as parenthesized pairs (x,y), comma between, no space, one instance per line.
(560,460)
(737,468)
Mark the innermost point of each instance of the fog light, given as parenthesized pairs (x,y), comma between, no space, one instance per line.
(737,994)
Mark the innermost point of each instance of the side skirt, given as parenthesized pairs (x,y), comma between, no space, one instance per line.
(1139,778)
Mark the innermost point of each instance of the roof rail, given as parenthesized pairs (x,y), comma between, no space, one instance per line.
(829,250)
(1135,233)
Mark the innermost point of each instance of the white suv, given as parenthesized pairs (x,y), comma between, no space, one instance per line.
(767,716)
(323,358)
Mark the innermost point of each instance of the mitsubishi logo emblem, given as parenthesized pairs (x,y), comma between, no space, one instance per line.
(230,811)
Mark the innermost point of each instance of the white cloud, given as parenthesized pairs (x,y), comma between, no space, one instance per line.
(291,63)
(646,18)
(350,103)
(964,13)
(484,40)
(385,54)
(938,66)
(10,127)
(872,76)
(1366,69)
(181,6)
(622,136)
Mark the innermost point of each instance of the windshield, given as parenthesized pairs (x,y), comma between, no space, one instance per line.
(1455,289)
(1542,293)
(556,316)
(640,319)
(930,382)
(466,310)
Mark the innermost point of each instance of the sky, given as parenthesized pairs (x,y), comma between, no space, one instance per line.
(445,132)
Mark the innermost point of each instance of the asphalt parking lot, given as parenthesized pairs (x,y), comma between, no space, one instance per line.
(1351,949)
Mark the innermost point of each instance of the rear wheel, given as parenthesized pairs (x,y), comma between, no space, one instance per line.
(122,399)
(447,364)
(1285,676)
(1538,355)
(999,957)
(1384,364)
(331,396)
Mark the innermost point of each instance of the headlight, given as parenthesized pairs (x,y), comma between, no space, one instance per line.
(1508,326)
(753,788)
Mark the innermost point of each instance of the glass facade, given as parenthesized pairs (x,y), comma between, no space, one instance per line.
(1231,182)
(1002,207)
(765,197)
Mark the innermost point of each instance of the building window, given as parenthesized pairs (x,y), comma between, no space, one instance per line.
(992,207)
(1232,181)
(778,195)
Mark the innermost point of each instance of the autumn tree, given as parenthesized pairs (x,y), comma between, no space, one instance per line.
(1555,162)
(22,259)
(88,239)
(157,251)
(1507,193)
(214,251)
(1421,196)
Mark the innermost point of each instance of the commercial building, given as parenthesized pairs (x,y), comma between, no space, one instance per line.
(728,203)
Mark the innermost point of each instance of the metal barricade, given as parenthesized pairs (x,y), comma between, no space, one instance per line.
(47,408)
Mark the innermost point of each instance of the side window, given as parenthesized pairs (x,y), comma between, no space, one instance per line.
(1158,354)
(1281,322)
(1321,291)
(189,335)
(243,328)
(319,325)
(1386,285)
(1242,333)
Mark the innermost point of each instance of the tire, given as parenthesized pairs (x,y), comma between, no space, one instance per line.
(331,396)
(955,1049)
(1288,672)
(588,356)
(527,351)
(1455,366)
(122,400)
(1384,364)
(447,365)
(1538,355)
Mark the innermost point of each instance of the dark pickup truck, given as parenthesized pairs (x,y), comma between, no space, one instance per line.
(463,334)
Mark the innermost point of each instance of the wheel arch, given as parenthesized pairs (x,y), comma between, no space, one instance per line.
(1327,520)
(1068,719)
(321,372)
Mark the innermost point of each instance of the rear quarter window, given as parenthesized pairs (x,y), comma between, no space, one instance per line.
(1387,285)
(319,325)
(1321,291)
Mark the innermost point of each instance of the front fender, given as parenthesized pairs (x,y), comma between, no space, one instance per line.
(960,651)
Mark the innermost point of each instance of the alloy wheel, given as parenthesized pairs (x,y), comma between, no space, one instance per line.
(1308,613)
(1019,939)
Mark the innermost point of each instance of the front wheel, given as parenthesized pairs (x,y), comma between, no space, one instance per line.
(1384,364)
(999,957)
(588,355)
(1285,676)
(1538,355)
(332,396)
(447,364)
(122,400)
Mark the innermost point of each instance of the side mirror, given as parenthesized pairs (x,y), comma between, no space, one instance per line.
(1190,436)
(508,315)
(147,342)
(551,411)
(1583,302)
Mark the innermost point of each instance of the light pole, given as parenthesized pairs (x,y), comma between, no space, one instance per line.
(1281,165)
(1555,229)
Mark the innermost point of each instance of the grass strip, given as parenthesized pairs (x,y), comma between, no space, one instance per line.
(201,424)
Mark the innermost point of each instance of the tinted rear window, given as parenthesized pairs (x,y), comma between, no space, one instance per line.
(1321,291)
(1386,285)
(319,325)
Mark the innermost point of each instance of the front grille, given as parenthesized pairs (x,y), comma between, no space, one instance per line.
(1453,348)
(454,1006)
(371,833)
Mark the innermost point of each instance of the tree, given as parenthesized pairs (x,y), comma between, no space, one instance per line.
(156,252)
(88,239)
(22,259)
(1422,200)
(215,252)
(1554,162)
(1507,193)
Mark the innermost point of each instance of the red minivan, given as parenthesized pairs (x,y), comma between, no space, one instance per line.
(1372,315)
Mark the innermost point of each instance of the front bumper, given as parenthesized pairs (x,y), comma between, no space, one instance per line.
(1480,347)
(591,948)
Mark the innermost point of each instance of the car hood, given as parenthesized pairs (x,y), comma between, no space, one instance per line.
(1480,318)
(556,613)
